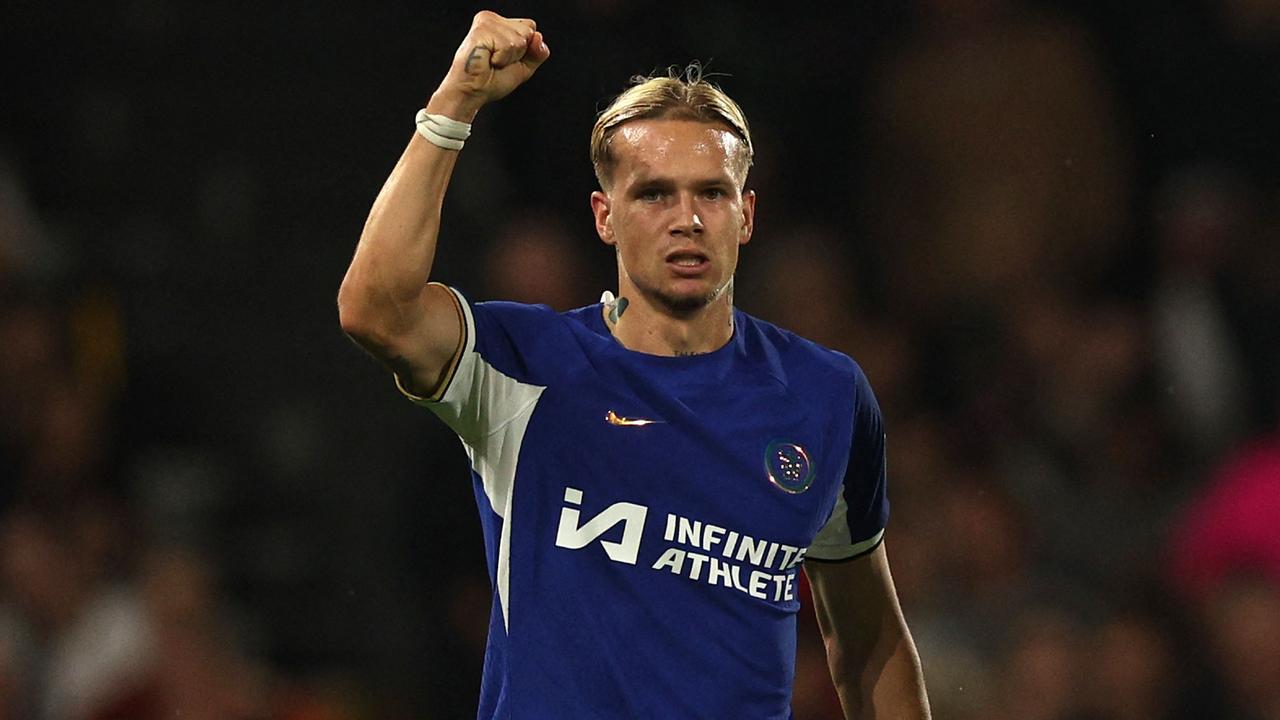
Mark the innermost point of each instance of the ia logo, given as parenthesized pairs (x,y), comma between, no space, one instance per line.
(573,536)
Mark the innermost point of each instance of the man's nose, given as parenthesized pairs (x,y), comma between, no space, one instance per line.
(687,221)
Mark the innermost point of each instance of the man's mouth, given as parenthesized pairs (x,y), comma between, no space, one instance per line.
(688,262)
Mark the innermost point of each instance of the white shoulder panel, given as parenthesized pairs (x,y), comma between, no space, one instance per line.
(490,412)
(834,541)
(494,458)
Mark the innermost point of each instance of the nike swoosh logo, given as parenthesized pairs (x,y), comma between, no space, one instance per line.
(614,418)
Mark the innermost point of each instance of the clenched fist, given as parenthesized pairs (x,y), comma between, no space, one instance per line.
(497,55)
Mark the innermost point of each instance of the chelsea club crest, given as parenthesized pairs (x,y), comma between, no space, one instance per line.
(788,467)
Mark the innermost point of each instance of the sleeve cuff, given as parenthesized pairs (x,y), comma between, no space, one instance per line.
(465,343)
(853,552)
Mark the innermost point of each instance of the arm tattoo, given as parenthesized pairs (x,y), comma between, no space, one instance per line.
(475,54)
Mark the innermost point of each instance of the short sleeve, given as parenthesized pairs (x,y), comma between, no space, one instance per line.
(857,521)
(489,382)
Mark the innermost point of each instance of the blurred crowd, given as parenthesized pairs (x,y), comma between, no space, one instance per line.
(1049,232)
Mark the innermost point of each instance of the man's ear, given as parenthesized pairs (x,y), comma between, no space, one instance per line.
(748,216)
(600,208)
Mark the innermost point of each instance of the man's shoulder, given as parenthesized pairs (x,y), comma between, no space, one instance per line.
(515,310)
(794,353)
(528,341)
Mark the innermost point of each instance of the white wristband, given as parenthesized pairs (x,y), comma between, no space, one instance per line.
(442,131)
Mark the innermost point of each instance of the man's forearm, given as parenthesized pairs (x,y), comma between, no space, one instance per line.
(385,303)
(890,685)
(397,247)
(381,294)
(872,658)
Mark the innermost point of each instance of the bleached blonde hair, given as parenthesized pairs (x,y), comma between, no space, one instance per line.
(681,94)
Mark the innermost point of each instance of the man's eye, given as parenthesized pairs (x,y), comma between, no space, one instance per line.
(651,195)
(713,193)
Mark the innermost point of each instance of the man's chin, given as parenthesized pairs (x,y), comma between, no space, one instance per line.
(687,303)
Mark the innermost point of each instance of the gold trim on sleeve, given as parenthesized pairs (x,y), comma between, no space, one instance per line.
(452,368)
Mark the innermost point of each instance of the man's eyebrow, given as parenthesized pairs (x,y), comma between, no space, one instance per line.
(645,178)
(653,180)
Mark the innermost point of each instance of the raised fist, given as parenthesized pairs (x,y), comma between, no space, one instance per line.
(497,55)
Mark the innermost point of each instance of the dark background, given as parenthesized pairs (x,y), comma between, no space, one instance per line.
(1048,231)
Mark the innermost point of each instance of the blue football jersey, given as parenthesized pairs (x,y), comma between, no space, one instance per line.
(645,517)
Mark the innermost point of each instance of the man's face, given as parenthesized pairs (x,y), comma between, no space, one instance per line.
(676,211)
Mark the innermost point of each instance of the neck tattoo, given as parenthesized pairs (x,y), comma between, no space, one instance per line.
(619,306)
(615,312)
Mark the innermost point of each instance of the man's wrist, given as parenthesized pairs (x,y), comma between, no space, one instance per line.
(454,105)
(442,131)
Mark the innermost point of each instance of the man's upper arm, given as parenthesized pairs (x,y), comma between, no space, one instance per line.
(872,658)
(423,346)
(507,355)
(853,598)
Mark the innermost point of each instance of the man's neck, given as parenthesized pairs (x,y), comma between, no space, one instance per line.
(645,327)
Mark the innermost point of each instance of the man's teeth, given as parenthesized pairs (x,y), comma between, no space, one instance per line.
(688,261)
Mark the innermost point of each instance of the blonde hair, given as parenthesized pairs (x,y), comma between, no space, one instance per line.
(679,95)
